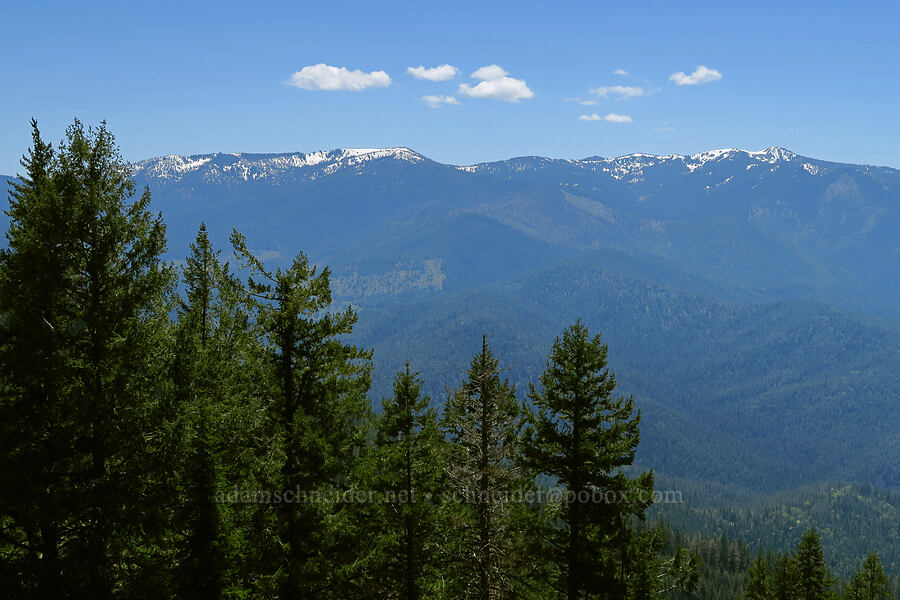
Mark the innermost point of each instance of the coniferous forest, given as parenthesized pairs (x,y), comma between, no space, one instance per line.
(204,430)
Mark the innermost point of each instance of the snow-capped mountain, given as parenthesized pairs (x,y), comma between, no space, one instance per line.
(635,168)
(220,168)
(768,220)
(714,167)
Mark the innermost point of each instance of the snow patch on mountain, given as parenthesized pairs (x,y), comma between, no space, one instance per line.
(632,167)
(251,167)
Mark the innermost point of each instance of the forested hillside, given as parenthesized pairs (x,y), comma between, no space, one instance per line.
(723,383)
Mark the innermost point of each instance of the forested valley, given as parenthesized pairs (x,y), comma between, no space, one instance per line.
(205,430)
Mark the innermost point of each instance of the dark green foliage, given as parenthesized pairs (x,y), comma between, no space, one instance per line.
(759,585)
(785,585)
(318,403)
(583,437)
(653,572)
(406,474)
(813,582)
(869,582)
(215,417)
(83,353)
(852,519)
(483,544)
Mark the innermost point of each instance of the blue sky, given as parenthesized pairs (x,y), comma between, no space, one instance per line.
(818,78)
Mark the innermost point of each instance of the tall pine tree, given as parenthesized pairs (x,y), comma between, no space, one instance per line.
(813,582)
(483,422)
(758,579)
(406,473)
(318,404)
(583,437)
(215,372)
(82,359)
(869,582)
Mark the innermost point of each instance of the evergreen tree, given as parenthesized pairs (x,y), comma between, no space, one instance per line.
(784,579)
(869,582)
(583,437)
(652,574)
(318,387)
(813,582)
(483,421)
(758,584)
(82,358)
(216,362)
(407,474)
(35,274)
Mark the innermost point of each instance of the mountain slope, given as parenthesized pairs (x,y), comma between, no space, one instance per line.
(764,396)
(771,222)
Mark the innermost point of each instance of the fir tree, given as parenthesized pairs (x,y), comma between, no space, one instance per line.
(483,421)
(216,361)
(869,582)
(82,349)
(784,578)
(758,579)
(318,386)
(653,575)
(583,437)
(36,429)
(813,582)
(407,474)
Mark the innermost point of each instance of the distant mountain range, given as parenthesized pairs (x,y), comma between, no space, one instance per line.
(751,300)
(771,222)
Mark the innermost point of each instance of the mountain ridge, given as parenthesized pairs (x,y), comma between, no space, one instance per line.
(173,165)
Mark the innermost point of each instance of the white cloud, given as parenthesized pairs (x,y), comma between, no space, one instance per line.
(489,72)
(614,118)
(441,73)
(622,91)
(611,117)
(581,102)
(621,72)
(700,75)
(326,77)
(437,101)
(496,85)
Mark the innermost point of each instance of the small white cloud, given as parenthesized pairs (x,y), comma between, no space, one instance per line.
(441,73)
(622,91)
(700,75)
(611,117)
(326,77)
(621,72)
(489,72)
(437,101)
(581,102)
(496,85)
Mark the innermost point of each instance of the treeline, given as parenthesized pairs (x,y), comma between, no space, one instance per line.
(730,570)
(851,519)
(804,574)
